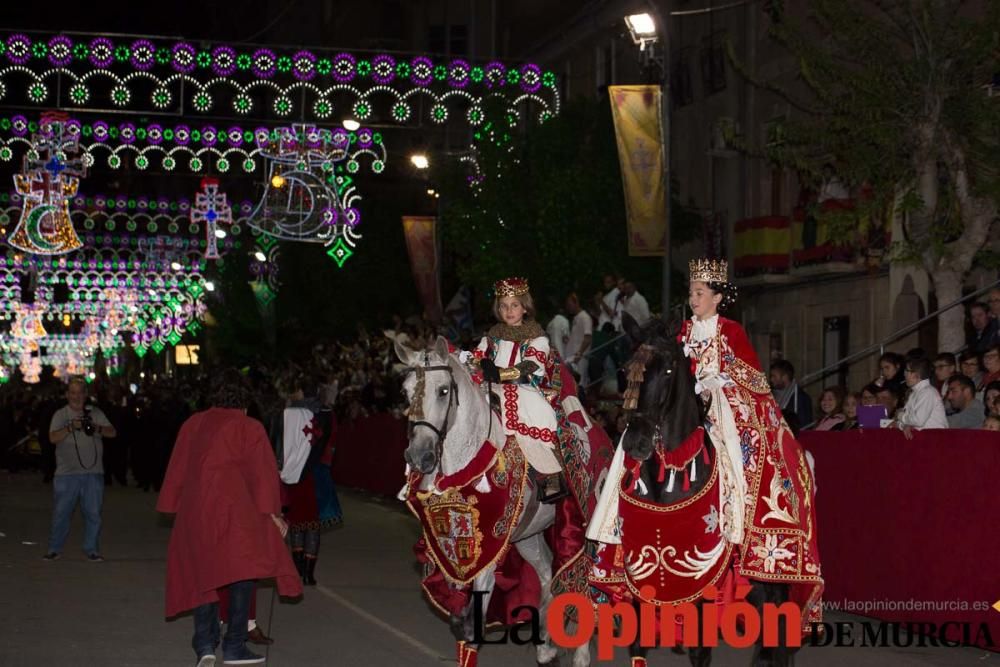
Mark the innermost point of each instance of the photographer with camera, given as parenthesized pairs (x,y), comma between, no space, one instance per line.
(76,431)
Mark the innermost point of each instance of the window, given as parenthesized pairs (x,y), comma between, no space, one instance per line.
(681,89)
(713,63)
(836,334)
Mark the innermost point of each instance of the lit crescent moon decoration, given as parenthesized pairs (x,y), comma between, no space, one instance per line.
(32,226)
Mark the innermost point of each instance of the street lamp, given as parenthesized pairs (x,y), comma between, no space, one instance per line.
(420,161)
(642,28)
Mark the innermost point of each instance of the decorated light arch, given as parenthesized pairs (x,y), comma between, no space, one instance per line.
(111,272)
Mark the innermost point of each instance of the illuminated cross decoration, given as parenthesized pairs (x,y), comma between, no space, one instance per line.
(211,209)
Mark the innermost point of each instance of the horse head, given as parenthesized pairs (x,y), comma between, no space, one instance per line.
(437,387)
(660,393)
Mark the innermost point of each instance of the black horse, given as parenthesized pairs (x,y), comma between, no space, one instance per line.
(667,411)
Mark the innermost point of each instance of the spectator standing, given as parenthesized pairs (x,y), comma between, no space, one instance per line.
(77,431)
(967,410)
(991,364)
(891,398)
(993,301)
(795,404)
(891,371)
(558,332)
(222,483)
(634,304)
(924,408)
(944,367)
(851,403)
(984,328)
(991,398)
(580,337)
(970,367)
(831,410)
(611,306)
(869,394)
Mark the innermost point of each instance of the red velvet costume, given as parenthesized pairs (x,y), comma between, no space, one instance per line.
(222,482)
(779,518)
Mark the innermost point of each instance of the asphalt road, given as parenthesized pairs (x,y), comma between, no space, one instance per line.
(366,611)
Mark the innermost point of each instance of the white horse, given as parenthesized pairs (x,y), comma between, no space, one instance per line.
(455,420)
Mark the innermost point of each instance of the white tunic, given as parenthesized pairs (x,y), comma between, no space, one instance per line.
(524,411)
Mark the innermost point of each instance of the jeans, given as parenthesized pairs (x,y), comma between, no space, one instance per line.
(206,622)
(88,488)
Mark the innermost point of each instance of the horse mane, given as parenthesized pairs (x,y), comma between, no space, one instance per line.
(677,409)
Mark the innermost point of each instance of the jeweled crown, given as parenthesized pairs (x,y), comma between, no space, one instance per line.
(709,270)
(510,287)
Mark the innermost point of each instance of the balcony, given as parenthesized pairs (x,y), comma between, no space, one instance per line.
(787,249)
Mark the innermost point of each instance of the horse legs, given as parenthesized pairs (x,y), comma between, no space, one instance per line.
(637,652)
(534,550)
(771,656)
(463,626)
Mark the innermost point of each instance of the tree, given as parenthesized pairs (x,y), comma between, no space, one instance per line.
(548,204)
(898,97)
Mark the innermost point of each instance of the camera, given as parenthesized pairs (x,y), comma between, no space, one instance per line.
(86,423)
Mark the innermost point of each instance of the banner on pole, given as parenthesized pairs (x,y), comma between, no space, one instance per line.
(639,132)
(421,244)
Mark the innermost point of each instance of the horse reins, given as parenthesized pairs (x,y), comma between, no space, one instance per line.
(416,413)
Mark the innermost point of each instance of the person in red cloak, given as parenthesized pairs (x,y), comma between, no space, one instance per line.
(222,483)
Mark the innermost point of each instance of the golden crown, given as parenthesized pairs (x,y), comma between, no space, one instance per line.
(709,270)
(510,287)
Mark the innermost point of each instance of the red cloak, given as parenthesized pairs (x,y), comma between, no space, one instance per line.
(222,482)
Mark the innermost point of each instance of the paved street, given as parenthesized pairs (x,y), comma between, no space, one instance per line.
(367,609)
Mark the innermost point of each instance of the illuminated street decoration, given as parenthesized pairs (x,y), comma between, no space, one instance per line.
(211,209)
(180,77)
(308,196)
(180,147)
(49,180)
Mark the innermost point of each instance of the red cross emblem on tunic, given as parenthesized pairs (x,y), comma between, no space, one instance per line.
(312,430)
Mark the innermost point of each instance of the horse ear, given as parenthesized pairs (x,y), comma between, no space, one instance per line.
(441,347)
(632,329)
(405,354)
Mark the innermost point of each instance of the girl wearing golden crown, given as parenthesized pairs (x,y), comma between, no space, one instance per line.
(513,356)
(766,484)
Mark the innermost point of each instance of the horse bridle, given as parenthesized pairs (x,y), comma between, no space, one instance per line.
(636,375)
(416,405)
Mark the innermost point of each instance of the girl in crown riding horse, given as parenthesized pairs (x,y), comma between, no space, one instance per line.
(513,357)
(767,503)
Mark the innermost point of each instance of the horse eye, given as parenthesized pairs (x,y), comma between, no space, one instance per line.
(443,391)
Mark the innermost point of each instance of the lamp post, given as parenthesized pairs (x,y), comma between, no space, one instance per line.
(643,28)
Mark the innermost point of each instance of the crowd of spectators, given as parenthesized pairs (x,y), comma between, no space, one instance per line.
(913,391)
(361,377)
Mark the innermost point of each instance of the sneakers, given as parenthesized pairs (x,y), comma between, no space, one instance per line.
(51,556)
(95,558)
(244,657)
(206,661)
